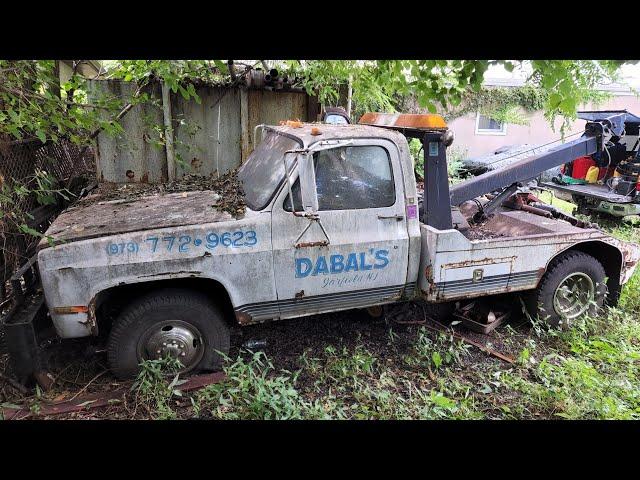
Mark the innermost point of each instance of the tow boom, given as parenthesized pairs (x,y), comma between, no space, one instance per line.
(435,137)
(596,134)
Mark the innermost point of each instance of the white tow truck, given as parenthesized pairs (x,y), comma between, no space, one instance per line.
(177,273)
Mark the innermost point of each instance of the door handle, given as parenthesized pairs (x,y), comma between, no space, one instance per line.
(391,217)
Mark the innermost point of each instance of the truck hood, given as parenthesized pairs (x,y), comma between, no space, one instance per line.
(114,217)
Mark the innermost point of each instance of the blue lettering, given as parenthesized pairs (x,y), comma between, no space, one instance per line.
(363,262)
(303,262)
(337,263)
(321,267)
(382,256)
(352,263)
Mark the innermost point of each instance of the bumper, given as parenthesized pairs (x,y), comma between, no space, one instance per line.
(619,209)
(631,257)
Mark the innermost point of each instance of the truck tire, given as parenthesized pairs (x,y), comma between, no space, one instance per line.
(573,286)
(176,322)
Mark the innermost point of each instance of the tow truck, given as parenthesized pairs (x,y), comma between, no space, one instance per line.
(334,221)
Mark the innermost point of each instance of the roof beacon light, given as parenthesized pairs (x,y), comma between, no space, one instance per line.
(399,121)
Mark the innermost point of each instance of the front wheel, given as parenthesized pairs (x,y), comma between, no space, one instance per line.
(572,287)
(179,323)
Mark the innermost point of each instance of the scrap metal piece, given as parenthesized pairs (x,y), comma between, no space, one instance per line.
(100,399)
(478,320)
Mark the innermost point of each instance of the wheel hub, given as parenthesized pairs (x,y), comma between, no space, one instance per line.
(173,338)
(574,295)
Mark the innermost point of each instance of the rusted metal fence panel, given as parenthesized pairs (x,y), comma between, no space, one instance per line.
(207,134)
(270,108)
(136,155)
(212,136)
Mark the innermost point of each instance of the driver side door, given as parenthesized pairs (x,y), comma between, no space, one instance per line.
(361,214)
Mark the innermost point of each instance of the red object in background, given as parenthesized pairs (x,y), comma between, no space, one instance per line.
(604,171)
(580,167)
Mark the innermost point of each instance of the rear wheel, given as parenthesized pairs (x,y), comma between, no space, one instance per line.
(573,286)
(179,323)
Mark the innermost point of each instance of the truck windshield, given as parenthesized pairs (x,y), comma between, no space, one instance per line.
(263,171)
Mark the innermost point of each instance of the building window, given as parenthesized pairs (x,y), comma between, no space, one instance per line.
(488,126)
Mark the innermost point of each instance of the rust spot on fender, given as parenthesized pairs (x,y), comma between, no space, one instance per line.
(91,321)
(181,272)
(323,243)
(428,273)
(484,261)
(243,318)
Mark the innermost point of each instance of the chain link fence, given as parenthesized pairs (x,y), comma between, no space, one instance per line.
(19,162)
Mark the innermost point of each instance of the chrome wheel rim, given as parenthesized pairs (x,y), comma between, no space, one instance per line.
(574,295)
(173,338)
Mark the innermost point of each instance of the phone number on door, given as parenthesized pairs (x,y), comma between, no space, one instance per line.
(183,243)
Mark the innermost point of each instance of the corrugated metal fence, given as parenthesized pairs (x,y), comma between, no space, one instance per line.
(209,137)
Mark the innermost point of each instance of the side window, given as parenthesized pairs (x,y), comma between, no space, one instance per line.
(350,178)
(353,178)
(297,197)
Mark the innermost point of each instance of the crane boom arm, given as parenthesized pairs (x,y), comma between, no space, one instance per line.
(523,170)
(596,134)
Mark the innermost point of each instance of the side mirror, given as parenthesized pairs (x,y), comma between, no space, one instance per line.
(447,138)
(308,183)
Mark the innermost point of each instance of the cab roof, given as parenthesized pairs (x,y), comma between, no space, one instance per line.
(304,132)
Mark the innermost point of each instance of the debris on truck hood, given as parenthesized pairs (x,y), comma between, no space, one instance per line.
(114,209)
(228,186)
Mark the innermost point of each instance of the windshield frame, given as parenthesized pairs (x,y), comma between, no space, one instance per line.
(278,171)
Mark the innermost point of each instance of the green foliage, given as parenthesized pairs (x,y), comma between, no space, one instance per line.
(254,391)
(569,82)
(42,185)
(591,374)
(33,104)
(157,384)
(455,156)
(379,84)
(444,350)
(556,87)
(501,104)
(179,75)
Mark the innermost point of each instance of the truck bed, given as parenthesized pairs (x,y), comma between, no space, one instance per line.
(90,220)
(509,252)
(514,223)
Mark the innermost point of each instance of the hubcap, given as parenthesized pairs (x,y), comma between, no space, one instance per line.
(574,295)
(173,338)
